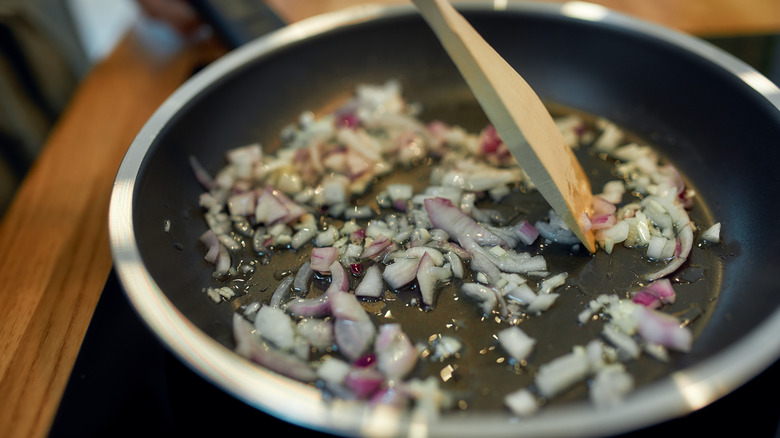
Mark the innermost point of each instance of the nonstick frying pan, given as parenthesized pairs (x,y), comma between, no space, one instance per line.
(714,117)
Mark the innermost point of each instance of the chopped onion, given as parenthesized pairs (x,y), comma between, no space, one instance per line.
(429,238)
(323,258)
(371,285)
(395,354)
(521,402)
(443,214)
(275,325)
(518,344)
(559,374)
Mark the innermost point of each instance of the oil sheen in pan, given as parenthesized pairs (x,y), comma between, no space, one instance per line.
(481,374)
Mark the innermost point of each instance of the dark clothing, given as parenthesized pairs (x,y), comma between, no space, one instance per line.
(41,63)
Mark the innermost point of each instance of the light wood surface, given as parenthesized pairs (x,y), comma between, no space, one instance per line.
(54,242)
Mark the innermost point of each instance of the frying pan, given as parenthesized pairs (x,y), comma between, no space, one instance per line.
(714,117)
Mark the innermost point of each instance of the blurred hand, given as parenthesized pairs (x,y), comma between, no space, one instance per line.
(179,14)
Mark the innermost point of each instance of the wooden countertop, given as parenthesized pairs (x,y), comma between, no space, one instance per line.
(56,255)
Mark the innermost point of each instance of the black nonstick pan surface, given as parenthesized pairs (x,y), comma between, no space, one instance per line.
(714,117)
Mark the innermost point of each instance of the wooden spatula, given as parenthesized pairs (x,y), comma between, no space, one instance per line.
(517,113)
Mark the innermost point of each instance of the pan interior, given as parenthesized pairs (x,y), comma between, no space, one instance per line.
(662,94)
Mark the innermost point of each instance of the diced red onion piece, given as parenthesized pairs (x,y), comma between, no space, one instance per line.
(310,307)
(363,382)
(602,206)
(201,174)
(396,356)
(339,278)
(353,338)
(323,258)
(603,221)
(344,305)
(367,360)
(646,299)
(377,249)
(526,232)
(655,294)
(660,328)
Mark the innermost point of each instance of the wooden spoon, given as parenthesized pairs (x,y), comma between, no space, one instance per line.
(517,113)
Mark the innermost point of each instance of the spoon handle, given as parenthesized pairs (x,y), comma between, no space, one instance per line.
(519,116)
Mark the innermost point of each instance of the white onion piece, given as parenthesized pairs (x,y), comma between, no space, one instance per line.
(521,402)
(223,262)
(542,302)
(516,342)
(303,276)
(610,386)
(428,275)
(561,373)
(333,370)
(625,344)
(456,264)
(371,285)
(445,215)
(242,204)
(250,346)
(318,332)
(211,241)
(482,264)
(282,292)
(551,283)
(488,297)
(521,293)
(275,325)
(401,272)
(685,243)
(712,234)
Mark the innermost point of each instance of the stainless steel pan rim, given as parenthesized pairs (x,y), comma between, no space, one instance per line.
(679,393)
